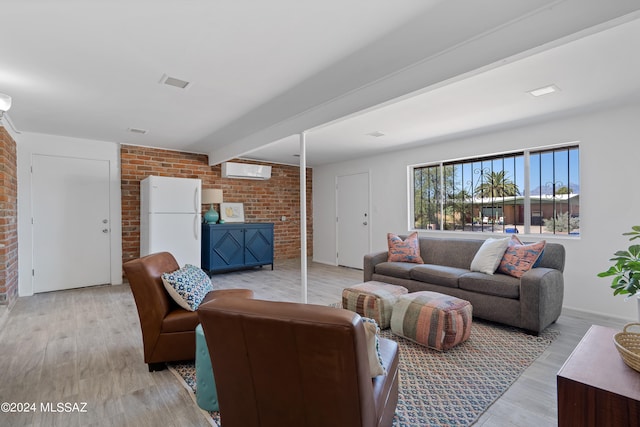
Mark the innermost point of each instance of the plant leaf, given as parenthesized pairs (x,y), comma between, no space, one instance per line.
(626,268)
(625,254)
(635,233)
(610,272)
(634,250)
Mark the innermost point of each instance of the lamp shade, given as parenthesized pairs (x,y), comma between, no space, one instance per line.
(5,102)
(211,195)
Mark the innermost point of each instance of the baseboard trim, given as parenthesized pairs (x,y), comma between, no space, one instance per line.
(321,261)
(576,312)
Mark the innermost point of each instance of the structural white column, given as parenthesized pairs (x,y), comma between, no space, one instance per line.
(527,192)
(303,216)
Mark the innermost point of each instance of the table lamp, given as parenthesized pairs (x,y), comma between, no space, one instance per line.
(211,196)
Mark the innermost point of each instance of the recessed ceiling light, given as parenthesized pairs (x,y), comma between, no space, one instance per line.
(172,81)
(136,130)
(544,90)
(376,134)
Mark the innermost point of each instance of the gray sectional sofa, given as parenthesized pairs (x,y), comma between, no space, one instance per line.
(531,302)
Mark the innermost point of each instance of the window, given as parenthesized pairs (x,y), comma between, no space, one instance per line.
(522,192)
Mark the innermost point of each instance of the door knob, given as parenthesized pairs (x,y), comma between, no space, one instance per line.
(364,223)
(105,230)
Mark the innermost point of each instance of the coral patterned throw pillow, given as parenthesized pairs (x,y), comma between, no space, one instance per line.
(407,250)
(520,258)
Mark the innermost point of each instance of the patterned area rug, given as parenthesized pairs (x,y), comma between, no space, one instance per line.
(451,388)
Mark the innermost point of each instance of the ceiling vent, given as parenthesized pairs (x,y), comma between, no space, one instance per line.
(172,81)
(245,171)
(136,130)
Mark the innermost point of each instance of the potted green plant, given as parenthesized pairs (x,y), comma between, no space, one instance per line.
(626,268)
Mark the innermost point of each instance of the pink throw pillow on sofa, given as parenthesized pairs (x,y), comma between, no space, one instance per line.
(520,258)
(407,250)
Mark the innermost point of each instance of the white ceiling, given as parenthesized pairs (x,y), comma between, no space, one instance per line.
(261,71)
(591,72)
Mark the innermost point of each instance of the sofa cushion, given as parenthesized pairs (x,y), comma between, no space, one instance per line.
(520,258)
(450,252)
(407,250)
(437,274)
(179,320)
(401,270)
(499,285)
(489,255)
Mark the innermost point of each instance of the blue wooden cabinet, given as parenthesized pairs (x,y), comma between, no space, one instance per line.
(227,247)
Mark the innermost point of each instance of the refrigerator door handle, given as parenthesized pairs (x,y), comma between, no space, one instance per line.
(195,201)
(196,229)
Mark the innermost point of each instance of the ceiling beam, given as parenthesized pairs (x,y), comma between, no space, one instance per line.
(453,40)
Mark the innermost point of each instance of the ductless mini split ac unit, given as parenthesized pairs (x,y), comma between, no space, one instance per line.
(245,171)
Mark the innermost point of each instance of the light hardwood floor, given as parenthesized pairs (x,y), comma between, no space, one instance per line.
(84,346)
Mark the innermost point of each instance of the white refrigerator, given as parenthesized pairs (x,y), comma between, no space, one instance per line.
(170,217)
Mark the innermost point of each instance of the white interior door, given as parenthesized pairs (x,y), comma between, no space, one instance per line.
(71,224)
(353,219)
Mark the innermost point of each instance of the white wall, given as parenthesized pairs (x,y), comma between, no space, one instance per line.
(29,144)
(609,154)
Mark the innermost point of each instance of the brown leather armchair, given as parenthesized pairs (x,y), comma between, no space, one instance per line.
(168,330)
(286,364)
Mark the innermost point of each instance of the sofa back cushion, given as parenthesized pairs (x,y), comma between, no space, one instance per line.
(552,257)
(459,253)
(450,252)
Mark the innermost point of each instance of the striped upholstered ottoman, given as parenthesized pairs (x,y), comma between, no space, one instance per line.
(373,299)
(432,319)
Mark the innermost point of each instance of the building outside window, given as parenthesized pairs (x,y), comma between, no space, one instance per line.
(532,191)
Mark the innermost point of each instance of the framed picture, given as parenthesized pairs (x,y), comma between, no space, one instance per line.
(232,212)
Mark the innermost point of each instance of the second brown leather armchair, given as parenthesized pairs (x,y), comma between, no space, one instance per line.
(294,365)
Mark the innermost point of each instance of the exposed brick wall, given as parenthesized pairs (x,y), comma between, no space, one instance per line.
(264,201)
(8,220)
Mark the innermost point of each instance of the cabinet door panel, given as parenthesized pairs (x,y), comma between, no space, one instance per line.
(259,245)
(227,249)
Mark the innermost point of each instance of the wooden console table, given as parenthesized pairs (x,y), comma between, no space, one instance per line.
(595,386)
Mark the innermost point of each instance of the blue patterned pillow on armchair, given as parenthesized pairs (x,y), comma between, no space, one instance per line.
(187,286)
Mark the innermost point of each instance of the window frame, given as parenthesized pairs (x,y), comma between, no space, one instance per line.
(528,205)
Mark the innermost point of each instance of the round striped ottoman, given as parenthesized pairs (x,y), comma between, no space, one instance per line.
(373,299)
(432,319)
